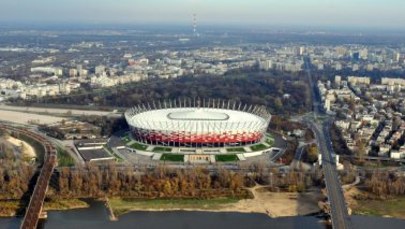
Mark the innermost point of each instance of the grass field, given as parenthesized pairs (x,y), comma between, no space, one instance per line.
(226,158)
(258,147)
(122,206)
(270,141)
(110,151)
(162,149)
(126,138)
(393,207)
(138,146)
(65,204)
(237,149)
(64,159)
(172,157)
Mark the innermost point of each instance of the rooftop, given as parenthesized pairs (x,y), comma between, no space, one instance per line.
(198,115)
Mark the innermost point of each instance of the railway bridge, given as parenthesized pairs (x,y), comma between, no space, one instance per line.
(34,209)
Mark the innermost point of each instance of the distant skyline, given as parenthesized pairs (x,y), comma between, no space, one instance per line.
(325,13)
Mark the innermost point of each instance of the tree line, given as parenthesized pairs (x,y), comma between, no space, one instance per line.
(261,88)
(162,182)
(15,177)
(385,183)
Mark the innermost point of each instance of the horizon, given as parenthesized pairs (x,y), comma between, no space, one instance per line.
(228,27)
(363,14)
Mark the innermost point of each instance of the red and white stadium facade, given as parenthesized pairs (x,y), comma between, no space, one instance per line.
(202,123)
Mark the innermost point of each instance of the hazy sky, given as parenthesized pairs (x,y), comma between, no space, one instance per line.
(370,13)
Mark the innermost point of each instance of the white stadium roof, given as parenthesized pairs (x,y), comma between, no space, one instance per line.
(197,119)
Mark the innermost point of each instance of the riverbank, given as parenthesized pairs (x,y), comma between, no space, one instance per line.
(273,204)
(9,208)
(60,205)
(363,203)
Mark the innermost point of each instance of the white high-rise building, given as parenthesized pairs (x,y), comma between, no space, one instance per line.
(355,67)
(301,51)
(72,72)
(99,70)
(338,80)
(338,66)
(266,65)
(327,104)
(396,56)
(370,67)
(363,54)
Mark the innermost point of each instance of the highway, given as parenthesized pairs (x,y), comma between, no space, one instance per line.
(320,124)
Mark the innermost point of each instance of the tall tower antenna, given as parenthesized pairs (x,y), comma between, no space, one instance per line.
(195,33)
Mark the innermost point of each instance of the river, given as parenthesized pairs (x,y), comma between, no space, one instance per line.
(97,217)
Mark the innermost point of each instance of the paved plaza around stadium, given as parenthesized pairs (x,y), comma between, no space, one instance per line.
(196,131)
(135,152)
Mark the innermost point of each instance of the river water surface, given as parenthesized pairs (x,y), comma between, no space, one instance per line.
(97,217)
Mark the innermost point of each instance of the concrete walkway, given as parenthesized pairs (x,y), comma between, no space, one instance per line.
(241,157)
(156,156)
(247,149)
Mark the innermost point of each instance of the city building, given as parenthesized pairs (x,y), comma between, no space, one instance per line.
(338,80)
(393,81)
(72,72)
(358,80)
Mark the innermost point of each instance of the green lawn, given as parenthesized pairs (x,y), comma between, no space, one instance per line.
(172,157)
(138,146)
(270,141)
(258,147)
(122,206)
(392,207)
(162,149)
(110,151)
(64,204)
(237,149)
(126,138)
(226,158)
(64,159)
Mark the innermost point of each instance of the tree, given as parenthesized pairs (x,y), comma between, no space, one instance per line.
(361,149)
(312,153)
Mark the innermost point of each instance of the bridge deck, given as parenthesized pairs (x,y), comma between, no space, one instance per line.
(34,209)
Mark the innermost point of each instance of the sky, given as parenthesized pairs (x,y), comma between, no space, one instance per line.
(362,13)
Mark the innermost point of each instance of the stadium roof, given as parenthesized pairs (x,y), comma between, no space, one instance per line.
(197,118)
(198,115)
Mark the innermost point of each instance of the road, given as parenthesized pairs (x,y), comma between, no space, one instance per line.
(57,111)
(22,117)
(320,124)
(339,213)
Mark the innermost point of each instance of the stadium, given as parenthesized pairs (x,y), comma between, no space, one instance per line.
(198,123)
